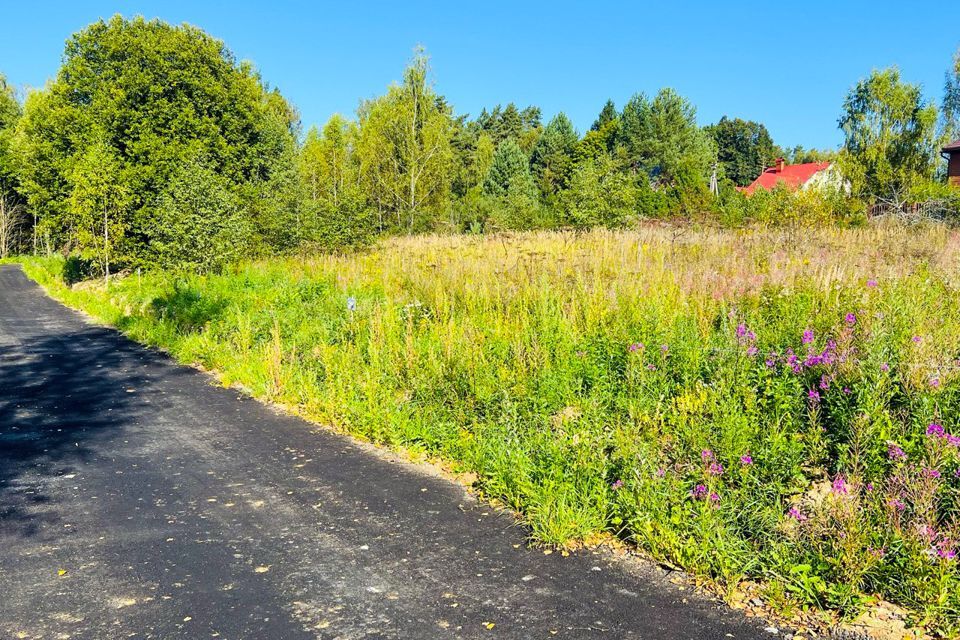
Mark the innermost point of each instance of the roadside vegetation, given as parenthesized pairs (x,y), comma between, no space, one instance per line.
(757,388)
(742,404)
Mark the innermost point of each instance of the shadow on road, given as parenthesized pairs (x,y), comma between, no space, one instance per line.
(60,396)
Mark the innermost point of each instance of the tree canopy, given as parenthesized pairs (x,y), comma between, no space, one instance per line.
(890,141)
(153,98)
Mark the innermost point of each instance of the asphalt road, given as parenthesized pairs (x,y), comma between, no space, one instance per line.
(139,500)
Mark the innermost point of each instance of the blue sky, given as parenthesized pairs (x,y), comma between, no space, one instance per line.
(786,64)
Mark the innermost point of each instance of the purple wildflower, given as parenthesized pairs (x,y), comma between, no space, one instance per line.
(935,383)
(706,454)
(814,396)
(797,515)
(824,382)
(840,486)
(741,330)
(661,472)
(699,491)
(664,348)
(953,440)
(714,497)
(752,350)
(935,430)
(946,550)
(917,339)
(636,346)
(871,283)
(715,469)
(617,485)
(652,367)
(847,391)
(896,504)
(746,460)
(771,360)
(808,336)
(851,318)
(933,474)
(895,453)
(884,367)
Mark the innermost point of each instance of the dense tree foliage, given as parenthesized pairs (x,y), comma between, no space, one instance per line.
(148,99)
(890,135)
(951,101)
(744,148)
(155,146)
(12,210)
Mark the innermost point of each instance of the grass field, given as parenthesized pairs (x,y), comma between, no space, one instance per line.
(777,406)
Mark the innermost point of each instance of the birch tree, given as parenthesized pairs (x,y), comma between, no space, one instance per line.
(404,150)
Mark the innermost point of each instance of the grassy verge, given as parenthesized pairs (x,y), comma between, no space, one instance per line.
(764,405)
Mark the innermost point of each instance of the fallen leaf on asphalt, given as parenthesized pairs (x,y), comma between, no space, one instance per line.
(488,625)
(262,569)
(61,572)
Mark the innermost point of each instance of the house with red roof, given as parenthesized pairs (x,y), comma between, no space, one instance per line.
(798,177)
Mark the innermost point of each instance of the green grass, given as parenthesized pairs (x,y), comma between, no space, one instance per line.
(599,383)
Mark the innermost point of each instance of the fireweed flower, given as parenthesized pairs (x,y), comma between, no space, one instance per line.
(896,504)
(715,469)
(871,283)
(933,474)
(946,550)
(935,383)
(895,453)
(661,472)
(652,367)
(699,491)
(741,330)
(814,396)
(851,319)
(824,383)
(746,460)
(935,430)
(752,350)
(714,497)
(840,486)
(797,515)
(953,440)
(617,485)
(917,339)
(636,346)
(771,360)
(884,367)
(808,336)
(706,454)
(847,391)
(664,348)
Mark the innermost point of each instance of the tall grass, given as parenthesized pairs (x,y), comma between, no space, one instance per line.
(773,405)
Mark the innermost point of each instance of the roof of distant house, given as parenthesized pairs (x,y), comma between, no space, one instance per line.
(953,146)
(792,175)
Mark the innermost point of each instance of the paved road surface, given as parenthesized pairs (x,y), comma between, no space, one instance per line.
(177,509)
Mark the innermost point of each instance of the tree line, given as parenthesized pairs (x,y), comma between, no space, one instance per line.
(154,146)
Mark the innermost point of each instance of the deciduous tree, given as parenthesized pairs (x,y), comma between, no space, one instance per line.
(890,135)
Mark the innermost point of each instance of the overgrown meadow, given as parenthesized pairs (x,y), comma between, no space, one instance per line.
(781,406)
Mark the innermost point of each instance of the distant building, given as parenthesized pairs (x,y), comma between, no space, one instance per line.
(810,175)
(952,154)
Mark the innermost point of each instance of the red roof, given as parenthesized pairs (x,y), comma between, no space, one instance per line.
(792,175)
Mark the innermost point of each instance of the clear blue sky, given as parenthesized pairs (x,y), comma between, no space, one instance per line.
(787,64)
